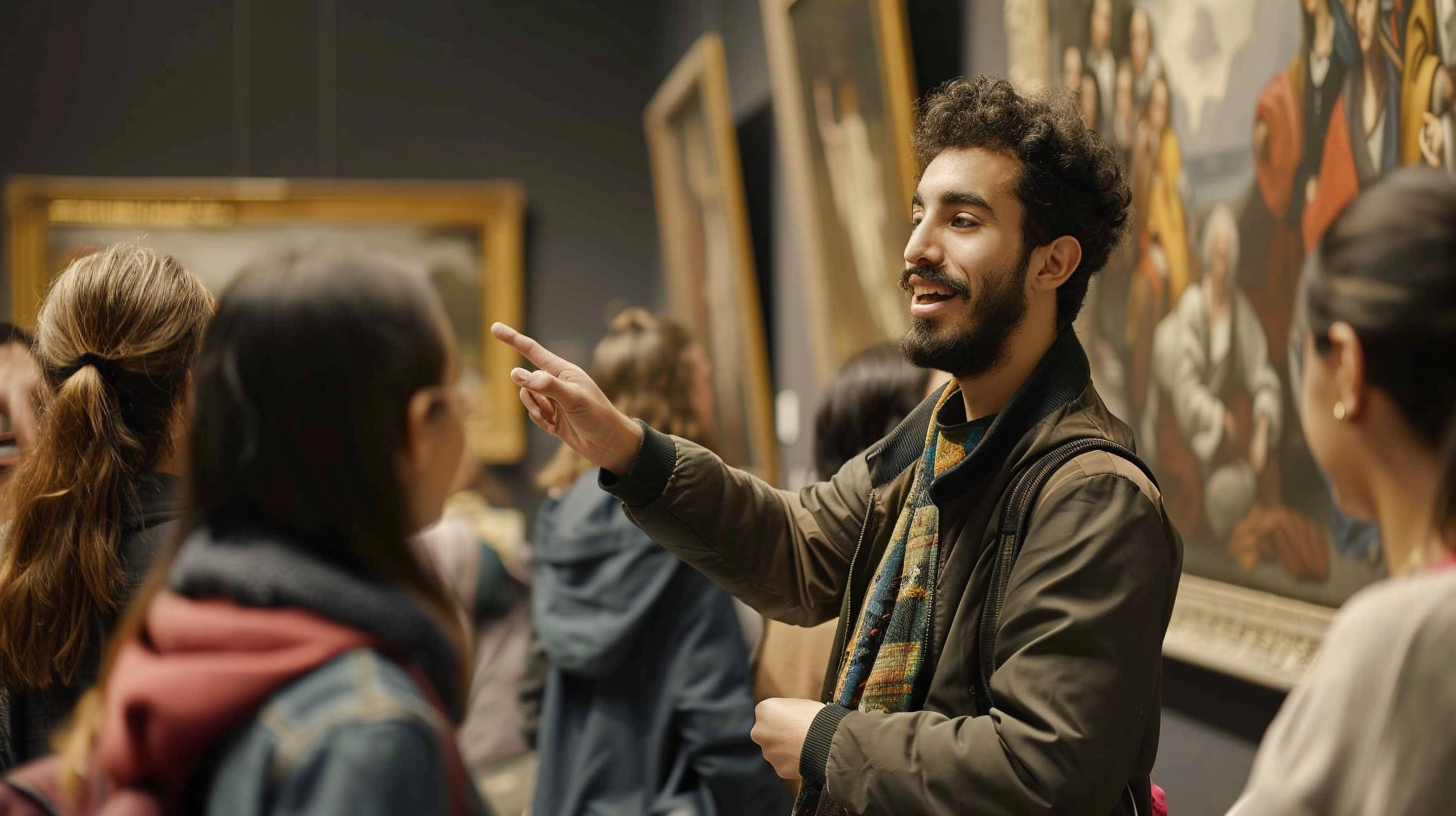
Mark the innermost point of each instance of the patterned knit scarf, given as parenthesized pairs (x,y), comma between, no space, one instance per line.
(881,669)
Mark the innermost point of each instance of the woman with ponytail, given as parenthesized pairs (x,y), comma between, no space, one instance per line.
(1368,731)
(89,505)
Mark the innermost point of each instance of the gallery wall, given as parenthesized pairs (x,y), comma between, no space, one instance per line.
(550,93)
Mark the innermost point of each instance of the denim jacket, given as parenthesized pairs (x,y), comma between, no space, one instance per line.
(311,748)
(317,746)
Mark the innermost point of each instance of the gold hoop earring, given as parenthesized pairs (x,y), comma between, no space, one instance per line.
(1340,411)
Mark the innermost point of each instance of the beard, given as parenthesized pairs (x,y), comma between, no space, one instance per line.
(982,342)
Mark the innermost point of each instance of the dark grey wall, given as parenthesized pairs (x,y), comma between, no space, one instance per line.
(550,92)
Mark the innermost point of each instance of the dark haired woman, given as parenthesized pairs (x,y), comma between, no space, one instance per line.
(294,657)
(647,707)
(90,504)
(1368,731)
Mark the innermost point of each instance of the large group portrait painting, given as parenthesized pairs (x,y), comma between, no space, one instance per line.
(1245,126)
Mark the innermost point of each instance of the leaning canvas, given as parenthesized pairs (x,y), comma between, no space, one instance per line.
(702,219)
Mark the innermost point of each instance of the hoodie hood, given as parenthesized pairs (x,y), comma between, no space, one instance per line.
(595,579)
(203,670)
(267,572)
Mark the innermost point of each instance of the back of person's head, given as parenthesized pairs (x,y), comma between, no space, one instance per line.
(1071,182)
(117,336)
(651,368)
(325,413)
(865,399)
(1387,268)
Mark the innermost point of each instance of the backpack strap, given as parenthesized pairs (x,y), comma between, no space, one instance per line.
(1016,514)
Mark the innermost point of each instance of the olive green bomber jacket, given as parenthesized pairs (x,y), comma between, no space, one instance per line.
(1074,728)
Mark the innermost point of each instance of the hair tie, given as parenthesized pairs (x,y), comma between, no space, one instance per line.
(108,369)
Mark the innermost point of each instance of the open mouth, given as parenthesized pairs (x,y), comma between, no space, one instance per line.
(926,293)
(929,298)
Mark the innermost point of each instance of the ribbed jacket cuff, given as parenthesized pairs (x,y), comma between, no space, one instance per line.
(814,758)
(647,477)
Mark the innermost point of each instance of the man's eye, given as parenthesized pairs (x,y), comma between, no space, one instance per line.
(962,221)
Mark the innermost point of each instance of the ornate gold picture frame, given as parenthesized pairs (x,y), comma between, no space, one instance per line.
(467,236)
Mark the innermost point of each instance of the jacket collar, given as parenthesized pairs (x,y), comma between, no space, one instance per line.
(1060,377)
(266,571)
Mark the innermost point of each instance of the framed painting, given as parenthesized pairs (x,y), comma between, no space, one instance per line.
(1224,114)
(707,251)
(844,100)
(465,236)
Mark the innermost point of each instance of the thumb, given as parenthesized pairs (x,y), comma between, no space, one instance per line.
(551,387)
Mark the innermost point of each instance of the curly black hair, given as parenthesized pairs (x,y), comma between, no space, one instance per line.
(1071,182)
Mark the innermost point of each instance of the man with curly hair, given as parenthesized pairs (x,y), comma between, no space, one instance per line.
(1018,205)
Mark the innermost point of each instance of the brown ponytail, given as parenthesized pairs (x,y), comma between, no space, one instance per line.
(642,366)
(117,335)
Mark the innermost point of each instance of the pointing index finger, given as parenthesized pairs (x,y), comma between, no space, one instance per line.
(530,349)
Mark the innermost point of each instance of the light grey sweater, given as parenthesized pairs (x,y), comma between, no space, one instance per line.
(1372,728)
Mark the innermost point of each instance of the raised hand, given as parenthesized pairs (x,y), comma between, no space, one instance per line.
(564,401)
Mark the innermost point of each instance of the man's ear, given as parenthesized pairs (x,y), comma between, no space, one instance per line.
(1052,264)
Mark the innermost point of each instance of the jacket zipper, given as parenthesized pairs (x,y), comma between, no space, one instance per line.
(844,613)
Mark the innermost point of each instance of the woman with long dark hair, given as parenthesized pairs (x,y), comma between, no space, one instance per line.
(91,502)
(1368,731)
(292,653)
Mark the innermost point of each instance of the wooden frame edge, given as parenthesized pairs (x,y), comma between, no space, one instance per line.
(704,69)
(1256,636)
(795,162)
(496,207)
(898,73)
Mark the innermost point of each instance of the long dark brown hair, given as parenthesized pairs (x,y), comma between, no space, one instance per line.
(117,335)
(1387,267)
(642,366)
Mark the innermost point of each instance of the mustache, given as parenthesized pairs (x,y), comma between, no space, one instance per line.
(934,274)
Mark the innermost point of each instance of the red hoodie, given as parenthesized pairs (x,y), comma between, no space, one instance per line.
(203,670)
